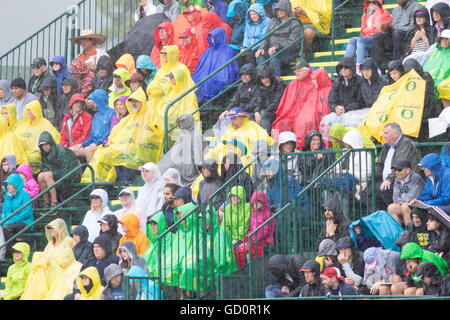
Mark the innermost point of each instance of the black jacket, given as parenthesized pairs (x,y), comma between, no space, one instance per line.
(440,243)
(243,179)
(100,82)
(51,105)
(412,31)
(247,95)
(334,205)
(280,265)
(344,93)
(82,250)
(316,288)
(210,185)
(65,101)
(110,257)
(34,83)
(113,233)
(270,95)
(444,11)
(369,91)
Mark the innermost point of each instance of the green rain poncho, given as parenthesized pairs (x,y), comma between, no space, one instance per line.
(17,273)
(237,217)
(412,250)
(338,132)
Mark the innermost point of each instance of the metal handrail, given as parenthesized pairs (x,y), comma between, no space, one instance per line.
(166,111)
(333,32)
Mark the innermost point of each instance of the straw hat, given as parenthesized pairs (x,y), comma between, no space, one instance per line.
(88,34)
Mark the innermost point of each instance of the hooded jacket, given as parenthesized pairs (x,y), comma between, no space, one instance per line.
(360,164)
(11,159)
(51,104)
(82,250)
(60,161)
(219,7)
(31,185)
(242,180)
(213,58)
(444,11)
(210,184)
(110,272)
(345,93)
(79,127)
(96,289)
(63,72)
(420,234)
(18,273)
(113,93)
(438,286)
(238,25)
(212,21)
(369,91)
(145,62)
(85,83)
(333,204)
(285,270)
(13,122)
(255,31)
(155,54)
(316,288)
(412,250)
(151,253)
(100,264)
(103,82)
(134,257)
(377,18)
(10,144)
(132,208)
(113,233)
(412,31)
(101,120)
(190,53)
(8,98)
(237,217)
(65,99)
(14,201)
(437,191)
(134,234)
(91,218)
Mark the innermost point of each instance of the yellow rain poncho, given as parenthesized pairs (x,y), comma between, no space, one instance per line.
(29,133)
(13,122)
(10,144)
(97,288)
(70,268)
(135,140)
(318,12)
(36,287)
(443,89)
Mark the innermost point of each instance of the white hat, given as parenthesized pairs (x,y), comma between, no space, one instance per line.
(445,34)
(88,34)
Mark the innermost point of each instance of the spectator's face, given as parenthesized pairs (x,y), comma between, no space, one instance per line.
(390,135)
(167,192)
(395,75)
(166,2)
(235,200)
(86,281)
(103,72)
(346,251)
(154,227)
(186,40)
(96,203)
(5,113)
(17,92)
(412,265)
(402,2)
(427,172)
(56,66)
(329,282)
(436,16)
(99,252)
(427,280)
(189,17)
(124,227)
(403,173)
(287,147)
(17,255)
(163,34)
(309,276)
(125,200)
(265,81)
(39,70)
(30,114)
(164,57)
(136,105)
(301,73)
(147,175)
(328,213)
(178,202)
(2,93)
(76,238)
(120,107)
(420,21)
(66,88)
(142,3)
(367,73)
(134,85)
(315,143)
(347,72)
(246,78)
(47,92)
(416,220)
(115,281)
(432,224)
(281,13)
(124,254)
(206,172)
(104,226)
(87,44)
(11,189)
(77,107)
(118,82)
(5,166)
(254,16)
(236,122)
(444,43)
(46,147)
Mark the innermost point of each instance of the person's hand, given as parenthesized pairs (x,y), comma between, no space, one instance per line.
(342,258)
(423,34)
(272,50)
(395,278)
(319,156)
(415,201)
(357,228)
(350,281)
(258,118)
(285,289)
(386,27)
(77,296)
(340,110)
(385,185)
(222,115)
(363,186)
(243,49)
(259,52)
(330,228)
(376,287)
(89,104)
(327,261)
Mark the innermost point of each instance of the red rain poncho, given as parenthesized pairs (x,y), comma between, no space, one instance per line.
(154,55)
(180,23)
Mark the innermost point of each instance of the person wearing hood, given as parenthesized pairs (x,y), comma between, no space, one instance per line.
(287,143)
(416,230)
(101,123)
(60,71)
(231,164)
(210,184)
(128,201)
(280,39)
(372,82)
(18,272)
(167,208)
(352,263)
(285,270)
(440,18)
(192,18)
(142,287)
(182,196)
(90,284)
(150,196)
(220,8)
(237,22)
(31,186)
(164,36)
(127,62)
(337,133)
(83,247)
(187,152)
(237,214)
(99,208)
(189,49)
(313,286)
(15,198)
(145,9)
(103,256)
(438,65)
(271,89)
(56,162)
(294,97)
(50,100)
(104,77)
(395,71)
(170,8)
(8,167)
(39,69)
(128,257)
(418,38)
(77,123)
(185,4)
(10,113)
(109,226)
(145,66)
(21,96)
(5,93)
(118,88)
(337,224)
(439,242)
(11,144)
(214,57)
(431,280)
(69,87)
(211,21)
(373,16)
(114,289)
(81,72)
(130,225)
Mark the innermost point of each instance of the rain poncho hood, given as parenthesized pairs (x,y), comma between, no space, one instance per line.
(134,234)
(370,91)
(18,273)
(63,72)
(130,248)
(127,62)
(338,131)
(151,253)
(412,250)
(132,208)
(10,143)
(113,94)
(145,62)
(96,290)
(437,190)
(255,31)
(219,7)
(237,217)
(150,196)
(91,218)
(13,122)
(4,84)
(155,54)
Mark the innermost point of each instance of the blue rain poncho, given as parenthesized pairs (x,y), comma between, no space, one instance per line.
(255,31)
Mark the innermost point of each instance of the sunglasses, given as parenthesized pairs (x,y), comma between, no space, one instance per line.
(372,2)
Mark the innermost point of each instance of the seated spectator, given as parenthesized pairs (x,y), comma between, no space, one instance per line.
(60,71)
(121,110)
(210,183)
(101,123)
(381,266)
(10,144)
(287,143)
(89,284)
(56,162)
(144,288)
(416,231)
(327,255)
(189,49)
(70,87)
(337,133)
(182,196)
(157,225)
(271,89)
(128,201)
(50,100)
(408,185)
(431,280)
(285,270)
(169,205)
(214,57)
(10,113)
(231,164)
(440,13)
(261,153)
(21,95)
(219,7)
(150,197)
(36,279)
(313,279)
(104,76)
(5,93)
(126,61)
(8,167)
(237,22)
(256,23)
(99,208)
(136,81)
(373,16)
(439,241)
(109,226)
(395,71)
(169,7)
(77,123)
(91,53)
(280,39)
(114,289)
(18,272)
(211,21)
(172,176)
(145,66)
(164,36)
(103,256)
(119,87)
(39,68)
(337,223)
(372,82)
(185,4)
(83,247)
(418,38)
(128,257)
(81,72)
(335,284)
(130,225)
(15,198)
(352,263)
(145,9)
(30,185)
(393,34)
(192,18)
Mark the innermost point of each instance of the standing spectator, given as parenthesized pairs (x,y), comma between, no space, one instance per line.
(21,95)
(59,68)
(164,35)
(335,284)
(99,208)
(103,256)
(150,197)
(91,53)
(128,201)
(337,223)
(169,7)
(313,286)
(146,8)
(109,226)
(372,82)
(18,272)
(114,283)
(280,39)
(130,225)
(77,123)
(104,76)
(5,93)
(81,72)
(286,271)
(83,247)
(39,67)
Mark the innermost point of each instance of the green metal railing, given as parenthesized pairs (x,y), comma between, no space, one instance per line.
(113,18)
(173,102)
(332,28)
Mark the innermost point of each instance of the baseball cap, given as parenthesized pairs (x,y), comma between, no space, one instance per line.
(102,221)
(148,166)
(401,163)
(370,257)
(419,13)
(301,64)
(237,111)
(38,62)
(333,272)
(187,32)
